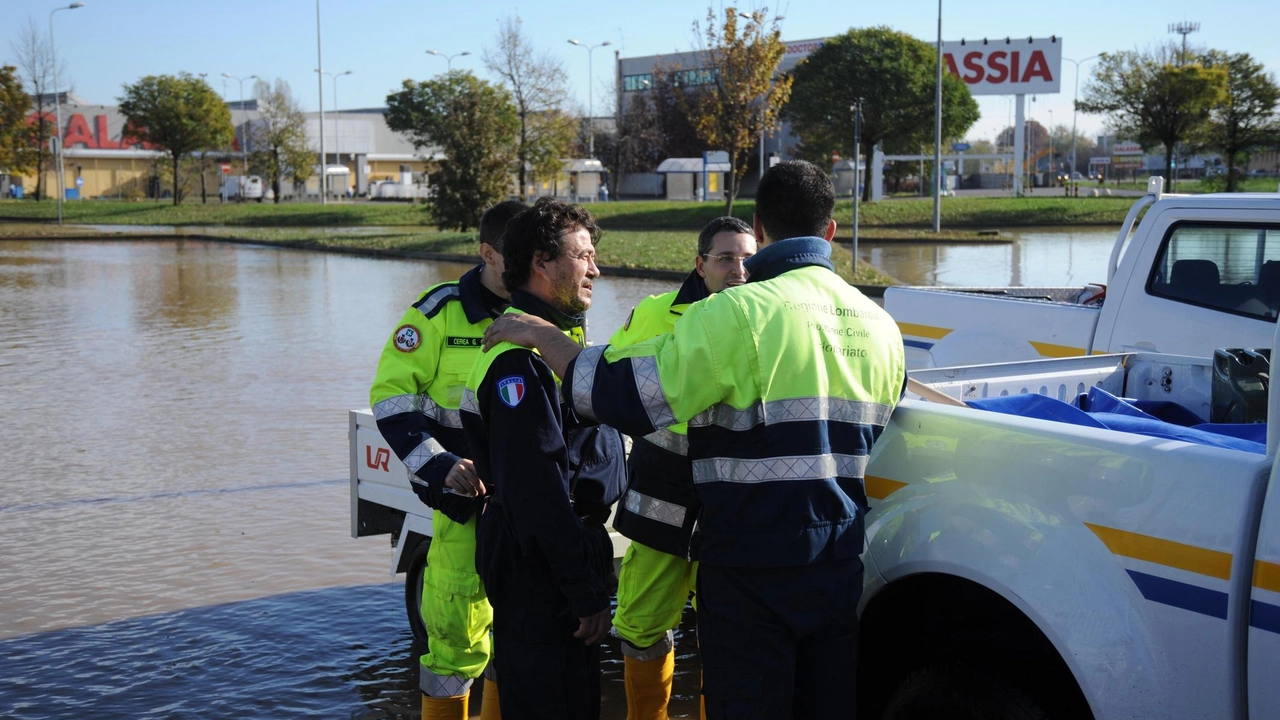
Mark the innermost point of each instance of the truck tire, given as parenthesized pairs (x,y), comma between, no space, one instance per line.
(413,590)
(960,692)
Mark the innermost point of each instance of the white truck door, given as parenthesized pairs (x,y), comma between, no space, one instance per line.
(1264,612)
(1192,284)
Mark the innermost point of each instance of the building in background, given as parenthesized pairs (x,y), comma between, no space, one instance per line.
(100,163)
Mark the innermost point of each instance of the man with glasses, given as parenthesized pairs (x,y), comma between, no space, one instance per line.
(659,509)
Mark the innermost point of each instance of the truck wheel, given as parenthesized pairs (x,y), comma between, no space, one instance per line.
(956,692)
(413,590)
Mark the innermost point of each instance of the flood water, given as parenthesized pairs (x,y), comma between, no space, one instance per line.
(174,502)
(1039,257)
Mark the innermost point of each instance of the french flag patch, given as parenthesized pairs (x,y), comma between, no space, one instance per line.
(511,390)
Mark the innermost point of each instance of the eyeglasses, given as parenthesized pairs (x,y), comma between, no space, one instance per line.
(726,260)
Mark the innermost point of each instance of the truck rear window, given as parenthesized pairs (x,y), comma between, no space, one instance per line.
(1233,268)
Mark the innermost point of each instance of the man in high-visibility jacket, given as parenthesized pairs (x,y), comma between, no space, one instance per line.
(415,399)
(786,382)
(541,544)
(660,507)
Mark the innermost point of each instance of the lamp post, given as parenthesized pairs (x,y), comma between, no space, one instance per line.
(449,58)
(324,179)
(244,132)
(337,151)
(776,20)
(591,120)
(1052,169)
(1074,98)
(57,109)
(937,133)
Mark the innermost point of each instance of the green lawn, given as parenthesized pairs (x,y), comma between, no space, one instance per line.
(1196,187)
(646,216)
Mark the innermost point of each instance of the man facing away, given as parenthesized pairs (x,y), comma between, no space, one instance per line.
(415,398)
(786,382)
(542,548)
(660,507)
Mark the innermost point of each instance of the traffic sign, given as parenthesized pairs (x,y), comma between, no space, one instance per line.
(959,147)
(226,168)
(79,182)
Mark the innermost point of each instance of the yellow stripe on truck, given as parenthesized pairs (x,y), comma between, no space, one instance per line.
(879,488)
(1051,350)
(1266,575)
(1165,552)
(925,331)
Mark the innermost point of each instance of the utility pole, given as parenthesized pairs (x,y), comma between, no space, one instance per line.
(937,133)
(857,194)
(1184,29)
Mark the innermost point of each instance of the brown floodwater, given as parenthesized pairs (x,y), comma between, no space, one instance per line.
(173,506)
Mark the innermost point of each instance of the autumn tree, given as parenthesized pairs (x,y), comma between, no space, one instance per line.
(1154,98)
(41,75)
(1246,118)
(179,114)
(16,153)
(280,136)
(539,88)
(475,126)
(736,96)
(894,75)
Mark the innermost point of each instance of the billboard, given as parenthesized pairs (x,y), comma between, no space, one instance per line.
(1006,66)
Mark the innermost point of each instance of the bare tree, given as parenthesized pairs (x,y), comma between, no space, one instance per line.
(280,136)
(538,86)
(41,75)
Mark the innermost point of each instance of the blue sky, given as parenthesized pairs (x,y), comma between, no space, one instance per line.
(111,42)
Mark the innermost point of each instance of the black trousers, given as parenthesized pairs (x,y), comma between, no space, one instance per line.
(543,670)
(779,642)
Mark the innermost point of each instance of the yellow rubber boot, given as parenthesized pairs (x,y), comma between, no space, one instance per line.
(648,684)
(444,708)
(489,708)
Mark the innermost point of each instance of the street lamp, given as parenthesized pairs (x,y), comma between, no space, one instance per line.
(937,133)
(336,144)
(1052,169)
(1074,97)
(244,132)
(591,120)
(57,109)
(449,58)
(324,179)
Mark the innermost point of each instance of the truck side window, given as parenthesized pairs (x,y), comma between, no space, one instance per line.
(1233,268)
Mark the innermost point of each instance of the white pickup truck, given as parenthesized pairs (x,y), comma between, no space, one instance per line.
(1030,568)
(1199,272)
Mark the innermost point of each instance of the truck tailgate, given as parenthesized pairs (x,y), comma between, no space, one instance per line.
(953,327)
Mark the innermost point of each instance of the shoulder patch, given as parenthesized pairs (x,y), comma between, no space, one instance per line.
(407,338)
(434,301)
(511,390)
(627,325)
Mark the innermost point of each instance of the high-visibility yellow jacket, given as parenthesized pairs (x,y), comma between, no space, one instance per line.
(785,382)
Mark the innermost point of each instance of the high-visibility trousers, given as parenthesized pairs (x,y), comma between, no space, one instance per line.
(455,610)
(653,587)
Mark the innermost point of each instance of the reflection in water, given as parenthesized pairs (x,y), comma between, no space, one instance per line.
(174,512)
(1041,257)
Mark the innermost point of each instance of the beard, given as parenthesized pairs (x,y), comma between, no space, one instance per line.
(567,295)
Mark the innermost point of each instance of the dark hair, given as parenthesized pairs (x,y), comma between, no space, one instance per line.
(717,226)
(540,229)
(795,199)
(493,223)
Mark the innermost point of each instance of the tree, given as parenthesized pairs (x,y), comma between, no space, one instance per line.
(739,98)
(537,84)
(280,136)
(41,76)
(16,153)
(475,125)
(894,74)
(1152,98)
(178,114)
(1246,117)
